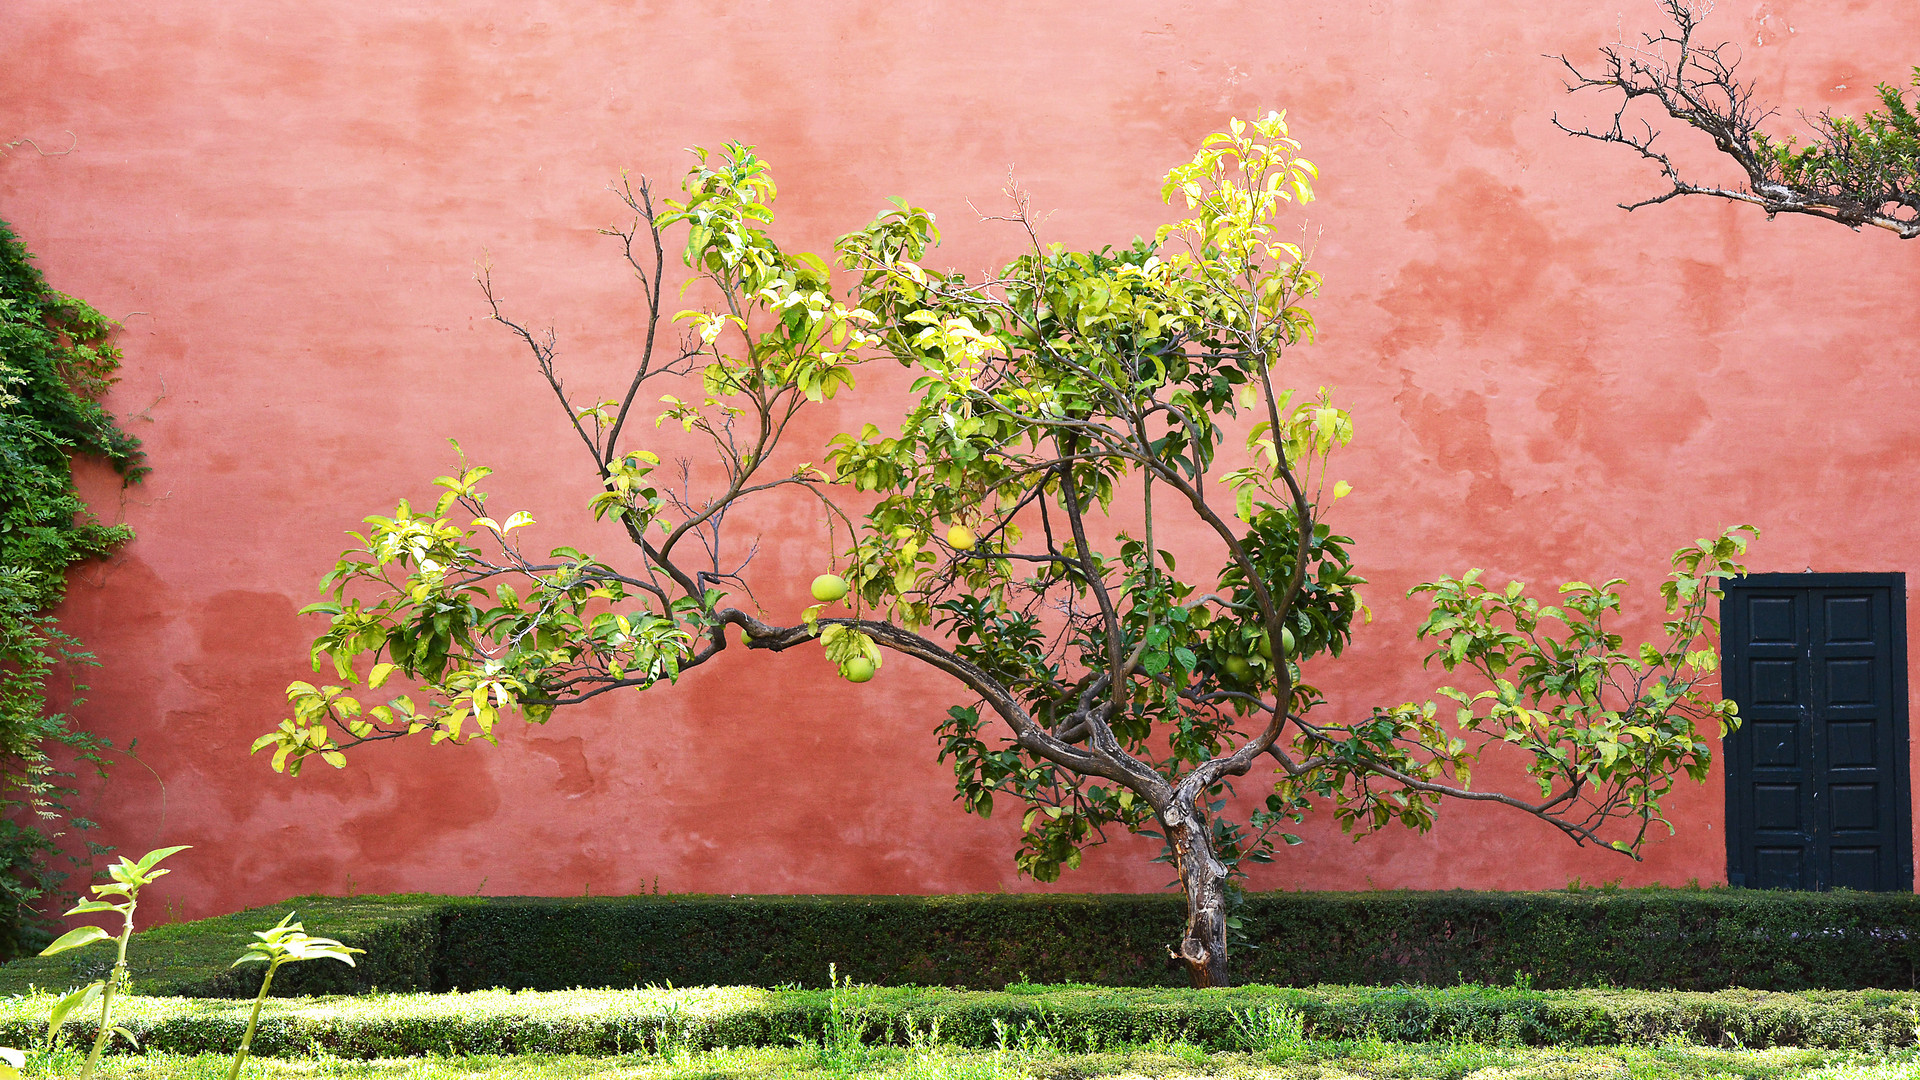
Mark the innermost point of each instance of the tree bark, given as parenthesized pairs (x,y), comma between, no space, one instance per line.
(1203,949)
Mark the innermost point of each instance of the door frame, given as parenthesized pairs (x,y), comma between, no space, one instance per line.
(1738,752)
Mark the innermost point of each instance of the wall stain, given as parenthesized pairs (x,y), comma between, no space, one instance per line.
(570,756)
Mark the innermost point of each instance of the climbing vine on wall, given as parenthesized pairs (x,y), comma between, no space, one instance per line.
(56,361)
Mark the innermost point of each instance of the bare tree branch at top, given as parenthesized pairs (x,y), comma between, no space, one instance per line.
(1854,172)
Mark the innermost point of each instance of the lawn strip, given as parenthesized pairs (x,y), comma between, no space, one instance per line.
(1079,1020)
(1370,1060)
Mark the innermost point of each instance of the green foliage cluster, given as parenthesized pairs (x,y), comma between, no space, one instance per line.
(1863,165)
(1698,940)
(656,1019)
(56,360)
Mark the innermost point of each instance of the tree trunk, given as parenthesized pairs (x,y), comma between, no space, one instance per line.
(1204,948)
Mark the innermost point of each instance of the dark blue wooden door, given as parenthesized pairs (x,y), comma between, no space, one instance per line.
(1817,794)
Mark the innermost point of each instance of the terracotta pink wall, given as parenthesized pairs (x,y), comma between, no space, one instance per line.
(284,202)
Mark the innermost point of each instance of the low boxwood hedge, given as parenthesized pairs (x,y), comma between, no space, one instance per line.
(400,933)
(1685,939)
(1654,939)
(617,1021)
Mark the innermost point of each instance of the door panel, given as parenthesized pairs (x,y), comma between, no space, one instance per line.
(1855,868)
(1817,790)
(1779,868)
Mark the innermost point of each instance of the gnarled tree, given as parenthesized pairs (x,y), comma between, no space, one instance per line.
(1855,172)
(1094,683)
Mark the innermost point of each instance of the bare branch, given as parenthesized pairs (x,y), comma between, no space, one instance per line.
(1852,176)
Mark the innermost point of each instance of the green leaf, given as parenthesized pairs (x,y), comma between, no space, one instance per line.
(76,1000)
(151,858)
(76,938)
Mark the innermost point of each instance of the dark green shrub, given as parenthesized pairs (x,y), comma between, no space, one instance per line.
(1683,939)
(977,941)
(1655,939)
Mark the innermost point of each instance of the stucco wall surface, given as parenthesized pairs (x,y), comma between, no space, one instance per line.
(285,203)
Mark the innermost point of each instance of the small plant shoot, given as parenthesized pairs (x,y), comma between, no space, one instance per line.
(286,943)
(1097,685)
(128,876)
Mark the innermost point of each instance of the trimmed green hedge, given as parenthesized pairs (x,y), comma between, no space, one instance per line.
(1657,939)
(981,942)
(401,933)
(615,1021)
(1654,939)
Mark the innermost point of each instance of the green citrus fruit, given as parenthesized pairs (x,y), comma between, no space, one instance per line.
(858,669)
(1238,667)
(829,587)
(1286,641)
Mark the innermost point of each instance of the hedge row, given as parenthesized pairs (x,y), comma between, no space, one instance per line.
(613,1021)
(1655,939)
(401,934)
(1662,939)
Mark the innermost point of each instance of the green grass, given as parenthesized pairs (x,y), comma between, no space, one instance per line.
(599,1022)
(602,1022)
(1309,1061)
(909,1034)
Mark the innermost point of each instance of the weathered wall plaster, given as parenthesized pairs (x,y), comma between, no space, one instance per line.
(284,202)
